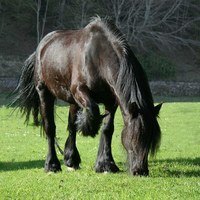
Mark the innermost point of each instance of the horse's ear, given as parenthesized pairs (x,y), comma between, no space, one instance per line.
(133,109)
(157,109)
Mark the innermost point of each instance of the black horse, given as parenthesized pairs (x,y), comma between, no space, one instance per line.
(84,68)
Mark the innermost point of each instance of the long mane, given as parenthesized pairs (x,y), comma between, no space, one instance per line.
(131,84)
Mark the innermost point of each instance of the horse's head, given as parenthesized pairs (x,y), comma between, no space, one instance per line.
(141,135)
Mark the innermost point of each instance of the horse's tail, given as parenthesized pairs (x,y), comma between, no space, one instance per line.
(27,97)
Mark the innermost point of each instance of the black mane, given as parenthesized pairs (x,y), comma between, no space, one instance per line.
(132,84)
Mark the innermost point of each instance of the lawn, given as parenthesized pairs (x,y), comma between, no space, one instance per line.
(174,173)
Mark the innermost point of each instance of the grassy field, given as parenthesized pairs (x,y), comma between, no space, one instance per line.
(174,173)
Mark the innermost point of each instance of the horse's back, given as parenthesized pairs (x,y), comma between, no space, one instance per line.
(78,57)
(56,48)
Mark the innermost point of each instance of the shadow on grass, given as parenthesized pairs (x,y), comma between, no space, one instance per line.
(12,166)
(179,167)
(189,167)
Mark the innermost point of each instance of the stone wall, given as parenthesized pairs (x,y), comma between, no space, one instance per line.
(169,88)
(158,88)
(8,84)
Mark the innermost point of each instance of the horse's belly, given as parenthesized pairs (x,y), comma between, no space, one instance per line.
(103,95)
(61,92)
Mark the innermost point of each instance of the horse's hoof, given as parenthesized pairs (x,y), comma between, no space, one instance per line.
(71,166)
(72,158)
(139,172)
(106,167)
(53,167)
(71,169)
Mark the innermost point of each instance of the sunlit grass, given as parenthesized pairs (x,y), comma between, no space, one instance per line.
(174,173)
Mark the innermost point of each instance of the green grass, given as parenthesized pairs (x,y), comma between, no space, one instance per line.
(174,173)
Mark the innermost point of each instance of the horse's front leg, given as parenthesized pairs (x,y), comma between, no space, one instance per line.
(71,154)
(89,118)
(47,112)
(105,161)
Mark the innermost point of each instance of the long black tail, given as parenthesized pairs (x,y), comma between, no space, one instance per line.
(27,97)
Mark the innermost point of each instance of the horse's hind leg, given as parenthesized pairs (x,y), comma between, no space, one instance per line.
(71,154)
(105,161)
(47,111)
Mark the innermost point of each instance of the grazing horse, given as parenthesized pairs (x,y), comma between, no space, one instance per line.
(84,68)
